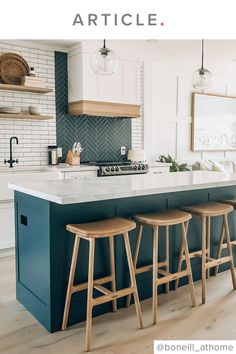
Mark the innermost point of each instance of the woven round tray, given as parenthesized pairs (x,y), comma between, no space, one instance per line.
(12,68)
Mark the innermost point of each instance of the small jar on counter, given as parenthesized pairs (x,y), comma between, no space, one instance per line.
(53,155)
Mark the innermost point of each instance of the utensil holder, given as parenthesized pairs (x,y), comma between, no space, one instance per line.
(73,158)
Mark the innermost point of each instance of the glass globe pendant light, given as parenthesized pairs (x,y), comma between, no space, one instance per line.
(201,78)
(104,61)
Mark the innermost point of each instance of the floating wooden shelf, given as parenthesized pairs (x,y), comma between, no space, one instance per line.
(22,88)
(24,116)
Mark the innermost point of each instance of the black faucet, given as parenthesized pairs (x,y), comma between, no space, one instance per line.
(11,161)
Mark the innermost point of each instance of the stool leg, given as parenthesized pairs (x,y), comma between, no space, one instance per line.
(229,247)
(222,237)
(133,280)
(113,272)
(188,264)
(136,252)
(181,259)
(204,259)
(155,274)
(208,242)
(167,285)
(90,295)
(70,282)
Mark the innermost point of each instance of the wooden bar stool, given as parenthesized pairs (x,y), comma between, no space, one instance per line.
(155,220)
(206,212)
(91,231)
(223,241)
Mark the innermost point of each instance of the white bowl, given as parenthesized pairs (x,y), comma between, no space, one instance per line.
(35,110)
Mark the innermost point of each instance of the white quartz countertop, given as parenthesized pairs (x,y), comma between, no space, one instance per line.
(104,188)
(57,168)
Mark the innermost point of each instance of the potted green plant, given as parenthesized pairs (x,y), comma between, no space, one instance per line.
(175,166)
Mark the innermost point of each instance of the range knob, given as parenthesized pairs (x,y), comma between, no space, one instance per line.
(143,167)
(140,167)
(112,168)
(135,167)
(108,169)
(117,168)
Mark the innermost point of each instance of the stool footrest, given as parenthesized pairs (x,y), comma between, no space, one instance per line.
(169,276)
(84,286)
(233,243)
(216,262)
(193,254)
(102,289)
(113,296)
(148,268)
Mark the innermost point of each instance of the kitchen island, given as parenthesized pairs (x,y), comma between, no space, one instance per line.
(44,247)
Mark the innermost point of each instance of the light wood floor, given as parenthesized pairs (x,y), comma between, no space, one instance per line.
(117,333)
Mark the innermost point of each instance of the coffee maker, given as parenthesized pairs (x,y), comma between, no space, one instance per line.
(54,155)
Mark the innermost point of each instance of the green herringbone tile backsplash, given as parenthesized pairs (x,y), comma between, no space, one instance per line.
(100,137)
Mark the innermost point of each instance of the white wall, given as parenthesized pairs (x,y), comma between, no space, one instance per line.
(167,94)
(34,136)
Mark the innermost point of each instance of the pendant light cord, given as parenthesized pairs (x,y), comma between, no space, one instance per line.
(202,53)
(104,43)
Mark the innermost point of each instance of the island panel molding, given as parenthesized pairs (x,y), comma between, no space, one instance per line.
(107,109)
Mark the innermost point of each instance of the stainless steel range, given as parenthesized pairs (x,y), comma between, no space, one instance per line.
(120,168)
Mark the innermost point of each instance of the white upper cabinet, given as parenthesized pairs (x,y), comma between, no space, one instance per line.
(111,95)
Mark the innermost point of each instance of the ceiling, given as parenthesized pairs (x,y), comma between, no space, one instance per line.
(57,43)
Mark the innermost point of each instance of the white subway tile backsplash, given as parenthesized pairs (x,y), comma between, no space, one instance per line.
(34,136)
(5,45)
(137,124)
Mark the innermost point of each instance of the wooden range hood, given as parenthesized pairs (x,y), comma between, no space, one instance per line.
(104,109)
(116,95)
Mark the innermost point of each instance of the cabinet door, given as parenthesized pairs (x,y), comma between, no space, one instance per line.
(7,225)
(33,246)
(80,175)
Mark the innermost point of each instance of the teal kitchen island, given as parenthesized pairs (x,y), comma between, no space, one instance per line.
(44,247)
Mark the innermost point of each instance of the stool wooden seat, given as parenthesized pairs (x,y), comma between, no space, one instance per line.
(206,212)
(164,218)
(209,209)
(223,243)
(231,202)
(155,220)
(102,228)
(91,231)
